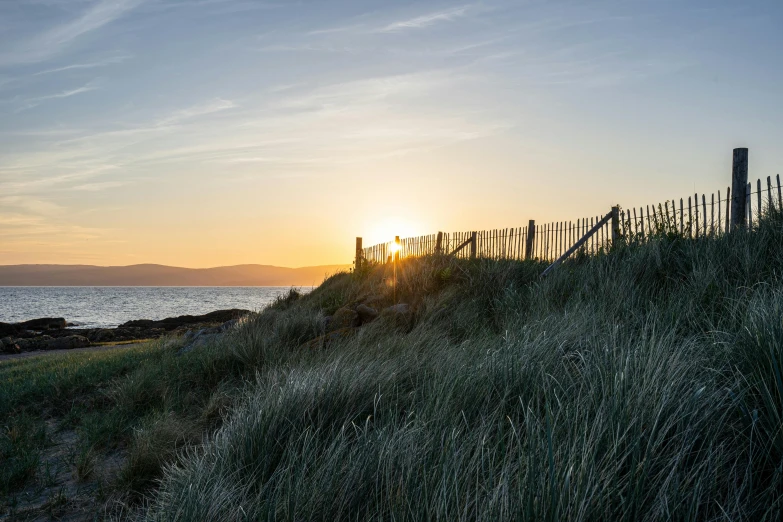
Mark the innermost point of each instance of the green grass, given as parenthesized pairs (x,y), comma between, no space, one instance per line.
(115,400)
(57,386)
(52,383)
(641,384)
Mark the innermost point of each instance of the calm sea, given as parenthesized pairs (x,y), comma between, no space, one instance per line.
(102,306)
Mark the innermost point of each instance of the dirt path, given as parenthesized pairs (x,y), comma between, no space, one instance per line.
(37,353)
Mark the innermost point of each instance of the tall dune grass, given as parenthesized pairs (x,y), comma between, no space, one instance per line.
(643,384)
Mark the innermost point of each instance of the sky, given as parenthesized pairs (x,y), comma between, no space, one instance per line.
(218,132)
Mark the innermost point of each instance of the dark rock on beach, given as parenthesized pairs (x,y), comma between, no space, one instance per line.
(45,342)
(33,325)
(103,335)
(35,343)
(45,323)
(172,323)
(109,335)
(7,329)
(52,334)
(68,343)
(7,345)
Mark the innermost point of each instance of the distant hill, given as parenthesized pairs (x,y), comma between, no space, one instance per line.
(161,275)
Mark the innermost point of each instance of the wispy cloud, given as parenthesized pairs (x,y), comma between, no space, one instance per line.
(367,90)
(334,30)
(82,155)
(215,7)
(35,205)
(24,226)
(55,131)
(285,87)
(29,103)
(91,65)
(95,147)
(67,94)
(325,124)
(366,26)
(196,111)
(321,48)
(96,187)
(30,185)
(426,20)
(52,41)
(7,81)
(100,14)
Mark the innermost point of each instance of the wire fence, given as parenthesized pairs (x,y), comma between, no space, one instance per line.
(697,216)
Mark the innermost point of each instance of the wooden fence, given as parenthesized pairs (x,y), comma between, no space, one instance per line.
(549,241)
(700,215)
(697,216)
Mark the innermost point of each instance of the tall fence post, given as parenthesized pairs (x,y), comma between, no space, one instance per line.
(531,235)
(439,244)
(473,245)
(739,182)
(615,225)
(358,260)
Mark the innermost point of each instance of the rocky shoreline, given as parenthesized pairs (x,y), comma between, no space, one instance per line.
(57,334)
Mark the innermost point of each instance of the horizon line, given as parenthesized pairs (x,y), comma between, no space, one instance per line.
(174,266)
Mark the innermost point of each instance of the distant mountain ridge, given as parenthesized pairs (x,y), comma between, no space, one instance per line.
(162,275)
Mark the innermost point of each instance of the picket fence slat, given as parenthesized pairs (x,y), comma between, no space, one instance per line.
(758,194)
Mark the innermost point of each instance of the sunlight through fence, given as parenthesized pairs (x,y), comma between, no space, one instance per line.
(696,216)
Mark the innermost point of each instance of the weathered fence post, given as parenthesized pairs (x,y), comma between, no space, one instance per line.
(358,260)
(531,236)
(780,196)
(439,244)
(473,245)
(615,225)
(739,180)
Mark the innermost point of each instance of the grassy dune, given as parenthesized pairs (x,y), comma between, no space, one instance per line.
(642,384)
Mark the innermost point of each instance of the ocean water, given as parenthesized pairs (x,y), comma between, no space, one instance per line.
(106,306)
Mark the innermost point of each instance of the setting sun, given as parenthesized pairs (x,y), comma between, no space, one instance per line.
(387,229)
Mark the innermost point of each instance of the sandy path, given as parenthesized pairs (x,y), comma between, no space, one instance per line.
(37,353)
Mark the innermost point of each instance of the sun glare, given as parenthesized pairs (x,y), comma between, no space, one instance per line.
(387,229)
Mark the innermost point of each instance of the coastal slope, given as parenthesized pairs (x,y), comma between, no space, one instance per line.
(639,383)
(161,275)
